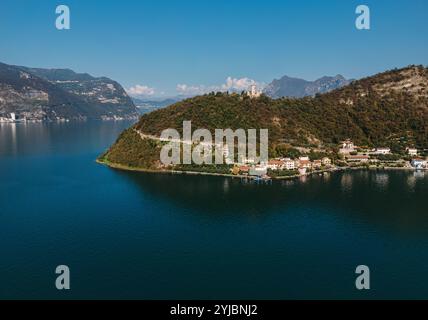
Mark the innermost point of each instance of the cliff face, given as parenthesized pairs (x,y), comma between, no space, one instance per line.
(60,94)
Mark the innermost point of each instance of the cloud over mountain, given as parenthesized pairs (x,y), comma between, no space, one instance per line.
(231,84)
(141,90)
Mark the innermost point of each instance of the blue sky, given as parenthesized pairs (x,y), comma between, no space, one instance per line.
(160,44)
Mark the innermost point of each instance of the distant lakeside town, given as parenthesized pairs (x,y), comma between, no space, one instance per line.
(22,118)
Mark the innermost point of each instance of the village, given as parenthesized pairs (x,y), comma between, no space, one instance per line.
(349,156)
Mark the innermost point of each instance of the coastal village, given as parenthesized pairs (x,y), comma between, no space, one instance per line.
(348,156)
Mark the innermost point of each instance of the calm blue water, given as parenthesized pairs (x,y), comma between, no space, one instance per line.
(134,235)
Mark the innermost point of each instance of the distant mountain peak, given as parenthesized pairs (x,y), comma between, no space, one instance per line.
(297,88)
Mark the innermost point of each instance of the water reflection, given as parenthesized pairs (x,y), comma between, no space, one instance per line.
(419,174)
(346,181)
(17,139)
(411,181)
(326,176)
(385,203)
(381,180)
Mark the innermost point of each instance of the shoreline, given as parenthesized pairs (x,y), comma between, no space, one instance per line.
(172,172)
(134,169)
(68,121)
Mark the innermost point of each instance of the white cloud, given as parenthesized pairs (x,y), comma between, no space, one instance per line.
(140,90)
(184,89)
(235,84)
(231,84)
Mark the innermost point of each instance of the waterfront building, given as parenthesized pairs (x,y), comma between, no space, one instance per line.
(258,171)
(419,163)
(275,165)
(305,164)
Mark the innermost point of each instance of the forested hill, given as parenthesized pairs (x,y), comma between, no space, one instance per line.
(388,109)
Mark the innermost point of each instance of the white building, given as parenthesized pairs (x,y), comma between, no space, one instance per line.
(289,164)
(13,116)
(254,92)
(382,151)
(412,151)
(347,147)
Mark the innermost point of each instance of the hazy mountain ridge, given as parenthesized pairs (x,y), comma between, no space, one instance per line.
(145,106)
(61,94)
(298,88)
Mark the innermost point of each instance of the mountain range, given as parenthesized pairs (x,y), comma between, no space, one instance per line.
(61,94)
(298,88)
(145,106)
(284,87)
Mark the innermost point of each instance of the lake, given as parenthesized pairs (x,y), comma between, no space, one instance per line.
(157,236)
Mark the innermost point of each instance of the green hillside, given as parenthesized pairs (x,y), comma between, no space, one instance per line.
(388,109)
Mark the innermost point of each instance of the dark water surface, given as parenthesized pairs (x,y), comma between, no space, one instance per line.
(135,235)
